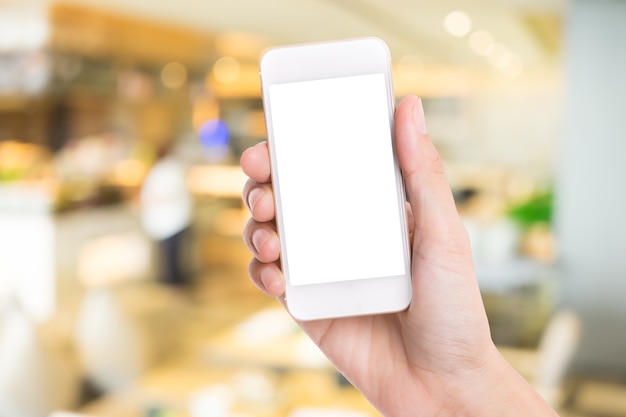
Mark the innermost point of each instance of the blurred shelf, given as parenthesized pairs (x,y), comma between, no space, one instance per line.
(101,33)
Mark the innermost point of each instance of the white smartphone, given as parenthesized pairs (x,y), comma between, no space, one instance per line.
(329,111)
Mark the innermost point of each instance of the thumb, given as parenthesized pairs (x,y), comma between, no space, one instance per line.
(434,213)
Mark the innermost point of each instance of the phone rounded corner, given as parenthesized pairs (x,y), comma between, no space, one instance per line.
(404,294)
(264,53)
(380,43)
(265,57)
(403,304)
(296,313)
(407,302)
(378,40)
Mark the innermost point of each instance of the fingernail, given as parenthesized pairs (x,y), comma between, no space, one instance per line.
(258,238)
(253,197)
(418,116)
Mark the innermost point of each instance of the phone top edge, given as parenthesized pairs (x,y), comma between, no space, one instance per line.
(321,60)
(375,39)
(268,52)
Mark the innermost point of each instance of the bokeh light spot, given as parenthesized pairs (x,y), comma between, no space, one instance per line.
(173,75)
(457,24)
(214,137)
(226,70)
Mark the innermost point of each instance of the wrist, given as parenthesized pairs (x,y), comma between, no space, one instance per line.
(497,389)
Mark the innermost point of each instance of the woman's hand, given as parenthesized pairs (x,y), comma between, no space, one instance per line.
(437,357)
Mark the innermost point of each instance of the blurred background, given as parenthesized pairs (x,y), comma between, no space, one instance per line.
(123,277)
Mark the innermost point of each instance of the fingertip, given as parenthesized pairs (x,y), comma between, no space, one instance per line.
(272,280)
(416,151)
(261,203)
(266,245)
(407,135)
(411,110)
(254,272)
(267,277)
(245,156)
(255,162)
(406,106)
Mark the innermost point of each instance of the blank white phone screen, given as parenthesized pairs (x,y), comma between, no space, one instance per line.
(336,179)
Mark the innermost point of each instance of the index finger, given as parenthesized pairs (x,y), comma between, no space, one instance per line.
(255,162)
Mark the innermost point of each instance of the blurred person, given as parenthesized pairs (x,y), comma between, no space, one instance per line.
(166,213)
(437,357)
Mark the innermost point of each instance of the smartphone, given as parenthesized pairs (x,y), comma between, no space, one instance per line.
(340,214)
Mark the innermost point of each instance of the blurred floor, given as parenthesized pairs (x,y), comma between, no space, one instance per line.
(221,295)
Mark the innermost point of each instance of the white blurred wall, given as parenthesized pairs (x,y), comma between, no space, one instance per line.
(591,196)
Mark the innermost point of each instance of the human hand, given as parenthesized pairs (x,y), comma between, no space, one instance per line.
(435,358)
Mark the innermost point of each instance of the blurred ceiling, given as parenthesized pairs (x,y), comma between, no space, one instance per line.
(443,48)
(529,29)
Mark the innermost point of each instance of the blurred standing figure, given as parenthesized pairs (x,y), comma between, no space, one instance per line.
(166,213)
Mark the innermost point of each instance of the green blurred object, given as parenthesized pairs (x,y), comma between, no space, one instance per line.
(537,209)
(10,175)
(161,411)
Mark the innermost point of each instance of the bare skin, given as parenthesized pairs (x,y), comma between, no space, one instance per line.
(437,357)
